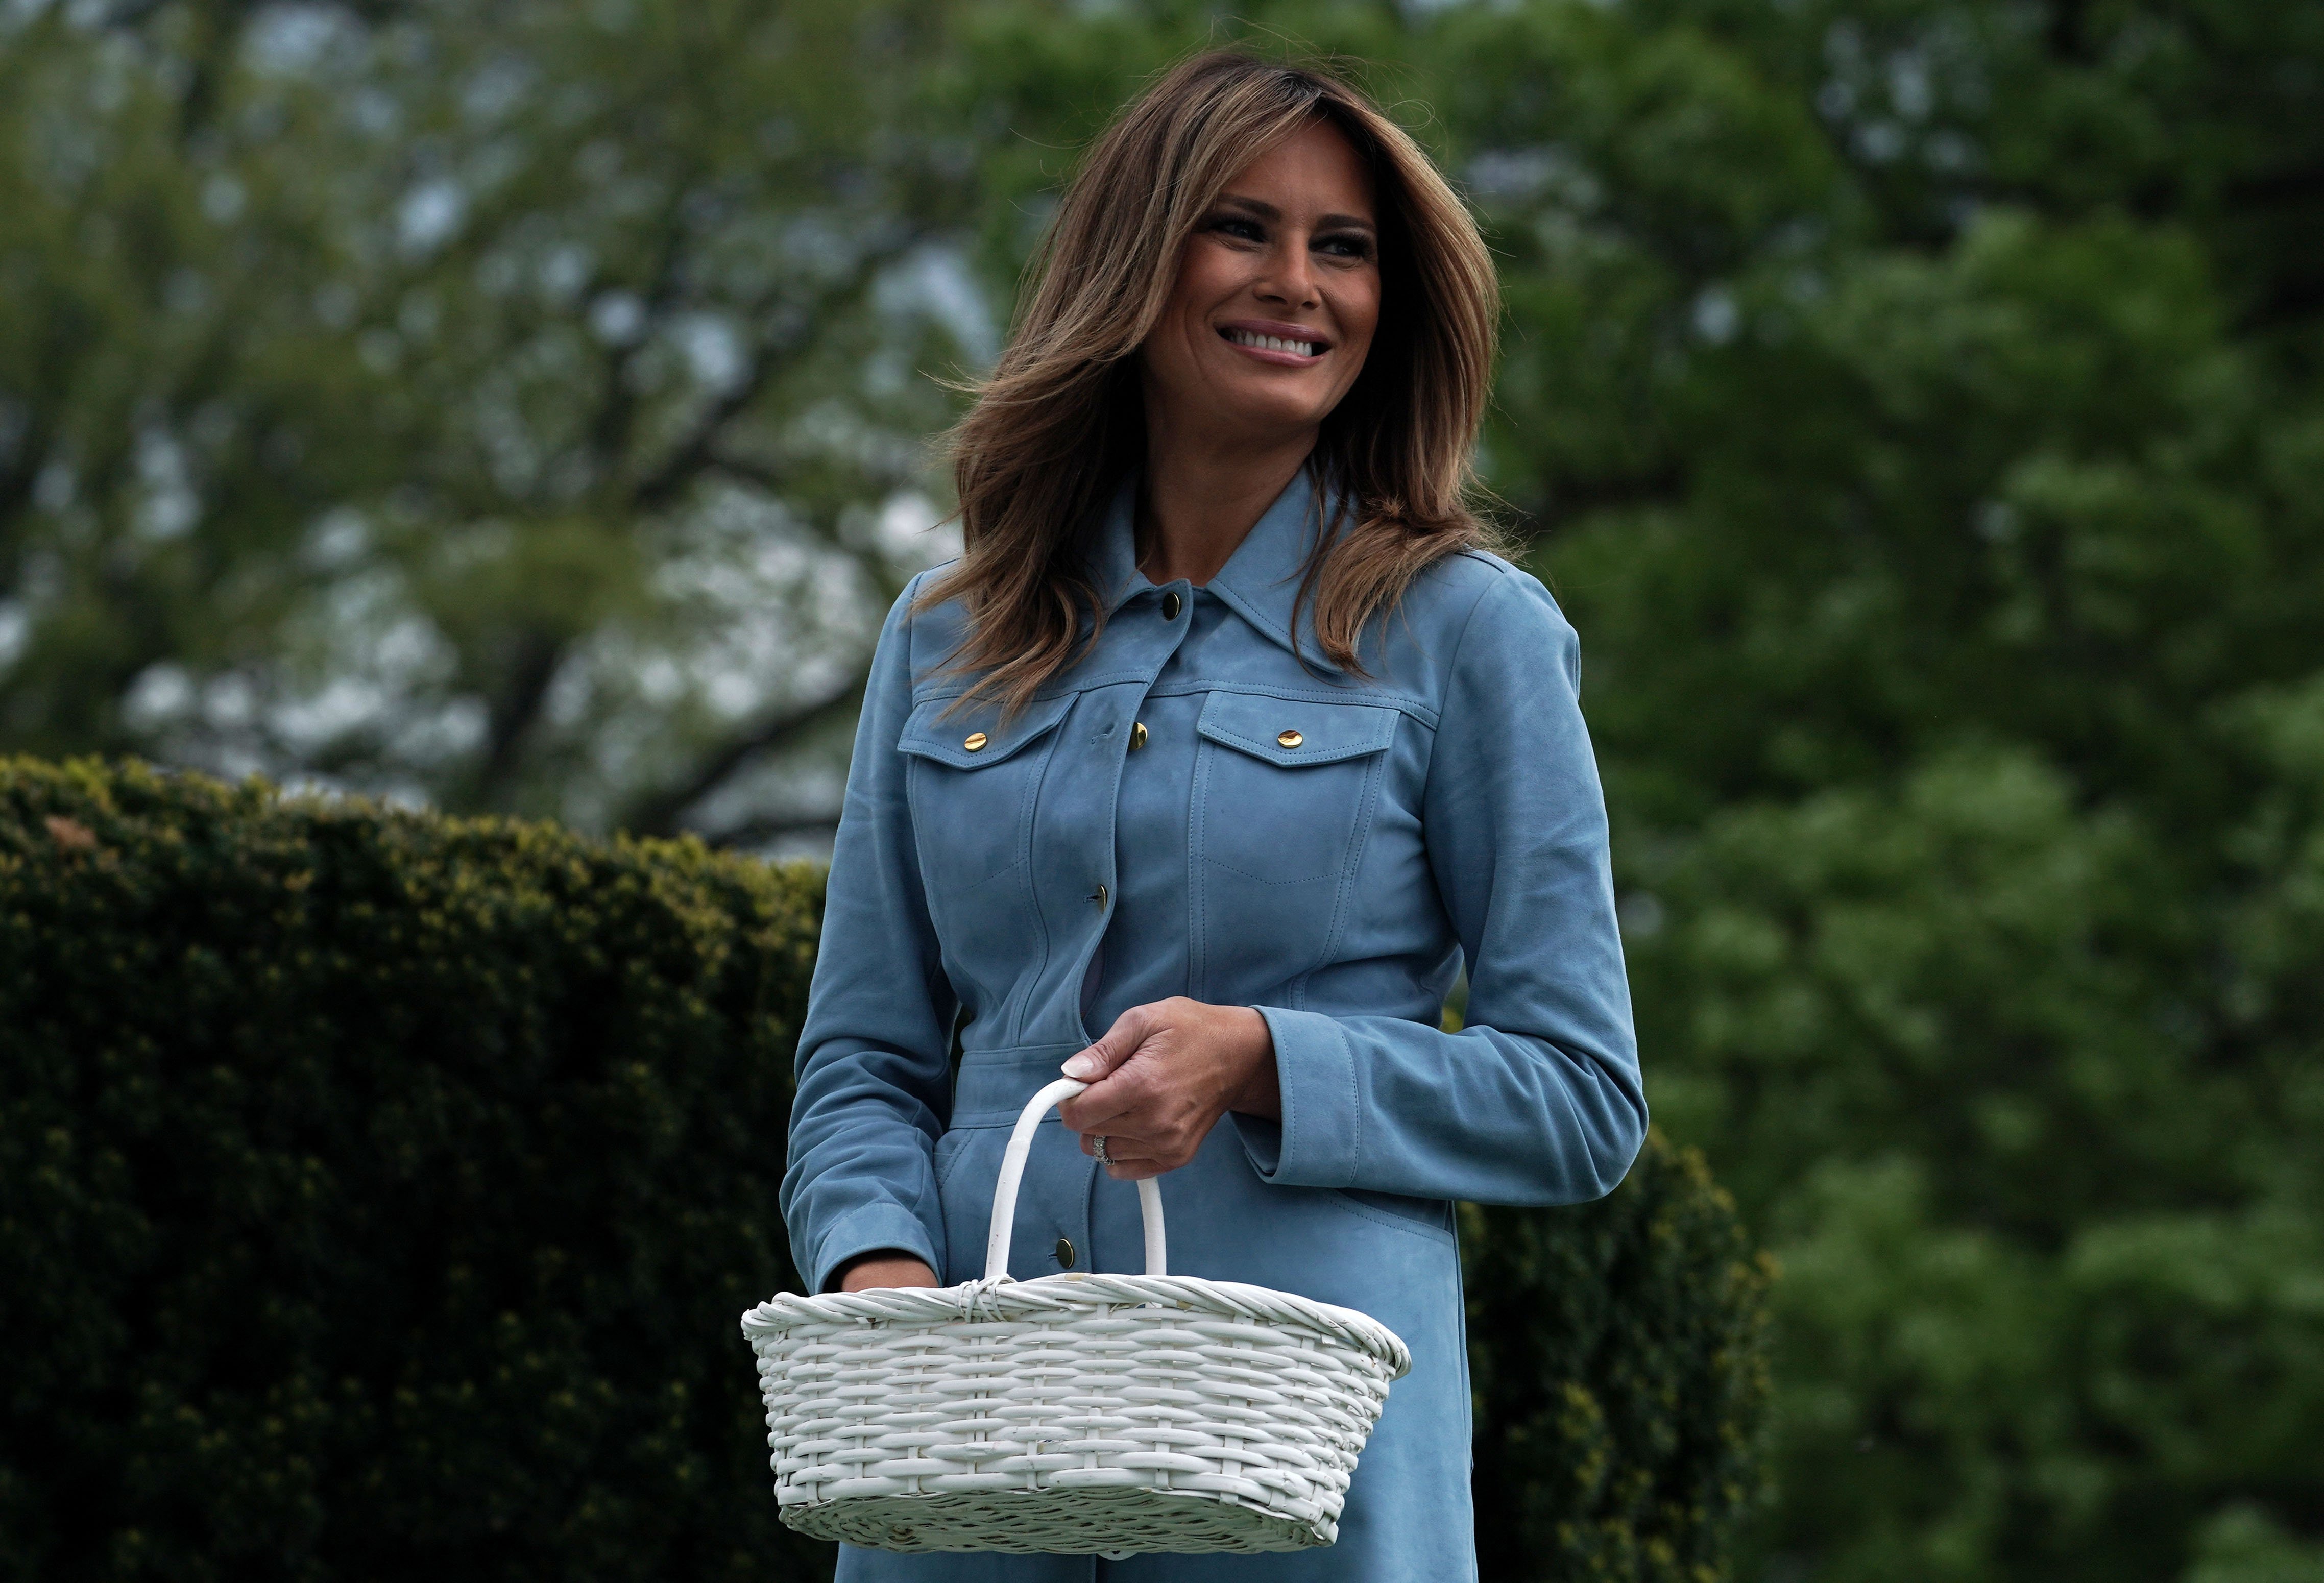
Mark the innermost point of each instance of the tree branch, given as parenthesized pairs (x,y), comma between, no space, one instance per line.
(537,657)
(750,832)
(658,814)
(697,453)
(538,654)
(757,474)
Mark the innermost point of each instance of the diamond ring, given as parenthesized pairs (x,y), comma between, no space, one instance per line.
(1097,1148)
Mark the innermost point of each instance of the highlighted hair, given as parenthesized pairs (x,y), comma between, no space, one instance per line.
(1060,422)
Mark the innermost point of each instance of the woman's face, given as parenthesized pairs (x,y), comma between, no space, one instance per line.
(1278,295)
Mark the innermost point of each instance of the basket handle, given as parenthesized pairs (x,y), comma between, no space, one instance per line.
(1012,1172)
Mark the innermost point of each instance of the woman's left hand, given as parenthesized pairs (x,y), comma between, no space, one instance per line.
(1163,1075)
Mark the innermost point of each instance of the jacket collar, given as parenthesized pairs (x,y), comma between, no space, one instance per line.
(1261,581)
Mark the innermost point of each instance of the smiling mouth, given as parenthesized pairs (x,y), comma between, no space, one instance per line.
(1258,342)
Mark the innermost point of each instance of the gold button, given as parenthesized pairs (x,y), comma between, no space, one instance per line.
(1171,605)
(1289,738)
(975,742)
(1100,896)
(1065,1253)
(1136,735)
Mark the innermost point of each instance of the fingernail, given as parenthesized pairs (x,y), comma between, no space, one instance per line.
(1083,1066)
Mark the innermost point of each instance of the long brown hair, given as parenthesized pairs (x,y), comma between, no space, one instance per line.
(1061,421)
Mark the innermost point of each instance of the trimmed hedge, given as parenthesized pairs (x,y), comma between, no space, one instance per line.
(378,1193)
(1619,1356)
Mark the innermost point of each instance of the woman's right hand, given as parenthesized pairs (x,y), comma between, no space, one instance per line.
(885,1267)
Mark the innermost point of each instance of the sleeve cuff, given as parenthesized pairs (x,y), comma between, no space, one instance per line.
(869,1229)
(1262,1143)
(1320,1141)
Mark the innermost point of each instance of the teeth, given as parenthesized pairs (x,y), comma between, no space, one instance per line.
(1274,343)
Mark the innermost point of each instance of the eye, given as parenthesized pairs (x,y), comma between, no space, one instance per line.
(1349,244)
(1239,227)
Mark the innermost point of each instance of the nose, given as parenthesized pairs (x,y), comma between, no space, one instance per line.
(1292,277)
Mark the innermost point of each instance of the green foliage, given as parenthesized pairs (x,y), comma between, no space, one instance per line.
(379,1192)
(1620,1372)
(1921,402)
(1917,401)
(510,406)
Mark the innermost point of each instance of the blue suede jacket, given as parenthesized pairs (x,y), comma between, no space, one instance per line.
(1325,847)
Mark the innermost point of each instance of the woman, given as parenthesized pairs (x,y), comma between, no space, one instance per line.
(1226,737)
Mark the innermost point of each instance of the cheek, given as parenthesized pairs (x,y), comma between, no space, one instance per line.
(1359,312)
(1359,316)
(1177,343)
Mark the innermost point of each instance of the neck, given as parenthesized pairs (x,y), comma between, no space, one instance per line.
(1204,491)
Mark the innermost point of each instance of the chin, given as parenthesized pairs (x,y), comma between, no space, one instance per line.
(1258,413)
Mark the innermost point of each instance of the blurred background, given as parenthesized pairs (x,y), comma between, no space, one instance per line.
(521,406)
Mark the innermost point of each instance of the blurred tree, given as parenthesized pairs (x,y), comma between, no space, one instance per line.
(507,405)
(1921,402)
(1916,402)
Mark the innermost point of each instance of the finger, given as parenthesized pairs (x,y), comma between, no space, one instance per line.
(1106,1107)
(1146,1157)
(1107,1054)
(1105,1098)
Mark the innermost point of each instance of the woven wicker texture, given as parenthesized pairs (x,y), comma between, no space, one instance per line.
(1209,1417)
(1073,1414)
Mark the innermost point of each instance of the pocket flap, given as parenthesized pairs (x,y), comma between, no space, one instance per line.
(932,733)
(1293,733)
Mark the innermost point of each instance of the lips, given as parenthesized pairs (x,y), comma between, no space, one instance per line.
(1274,343)
(1268,340)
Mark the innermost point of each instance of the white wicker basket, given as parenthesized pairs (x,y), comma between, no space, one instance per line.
(1072,1415)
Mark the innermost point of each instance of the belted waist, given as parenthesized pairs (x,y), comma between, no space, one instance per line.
(992,1086)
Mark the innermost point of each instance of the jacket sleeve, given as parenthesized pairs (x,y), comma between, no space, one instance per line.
(1537,1099)
(874,1062)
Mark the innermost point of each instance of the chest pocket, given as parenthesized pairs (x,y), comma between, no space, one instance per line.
(1287,786)
(973,779)
(1284,798)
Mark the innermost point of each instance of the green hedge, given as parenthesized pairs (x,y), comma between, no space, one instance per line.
(1619,1360)
(378,1193)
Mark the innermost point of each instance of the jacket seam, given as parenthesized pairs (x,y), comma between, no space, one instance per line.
(928,745)
(1359,840)
(1198,964)
(1419,708)
(1027,804)
(1453,667)
(1416,707)
(1283,759)
(1438,1236)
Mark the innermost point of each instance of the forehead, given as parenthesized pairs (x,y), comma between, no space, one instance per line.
(1315,170)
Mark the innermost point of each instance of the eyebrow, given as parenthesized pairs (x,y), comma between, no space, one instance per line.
(1267,211)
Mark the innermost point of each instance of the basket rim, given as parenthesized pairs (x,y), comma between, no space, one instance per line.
(1235,1526)
(1073,1293)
